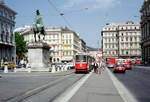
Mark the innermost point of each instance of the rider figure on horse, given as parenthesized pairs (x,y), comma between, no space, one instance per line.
(38,26)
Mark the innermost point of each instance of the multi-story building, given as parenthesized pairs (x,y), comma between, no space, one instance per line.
(64,43)
(82,45)
(7,23)
(94,52)
(145,29)
(121,40)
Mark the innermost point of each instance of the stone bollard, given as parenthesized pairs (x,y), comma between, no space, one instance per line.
(15,69)
(6,67)
(29,67)
(29,70)
(53,69)
(62,69)
(65,68)
(58,69)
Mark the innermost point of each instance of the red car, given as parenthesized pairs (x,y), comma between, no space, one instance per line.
(128,66)
(119,68)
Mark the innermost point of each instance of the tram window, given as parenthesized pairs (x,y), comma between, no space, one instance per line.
(80,58)
(84,58)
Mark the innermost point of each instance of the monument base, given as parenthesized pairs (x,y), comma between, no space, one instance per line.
(38,56)
(33,70)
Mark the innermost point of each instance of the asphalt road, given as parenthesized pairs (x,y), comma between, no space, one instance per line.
(35,87)
(137,81)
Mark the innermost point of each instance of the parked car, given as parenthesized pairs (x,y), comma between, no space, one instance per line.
(110,65)
(138,62)
(128,66)
(70,65)
(60,65)
(119,68)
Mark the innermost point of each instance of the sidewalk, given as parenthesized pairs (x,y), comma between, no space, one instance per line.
(97,88)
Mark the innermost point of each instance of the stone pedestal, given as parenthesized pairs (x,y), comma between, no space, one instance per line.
(38,56)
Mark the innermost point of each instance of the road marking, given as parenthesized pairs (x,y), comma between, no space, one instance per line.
(123,91)
(66,96)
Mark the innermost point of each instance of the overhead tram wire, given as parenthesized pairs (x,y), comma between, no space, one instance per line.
(60,13)
(76,11)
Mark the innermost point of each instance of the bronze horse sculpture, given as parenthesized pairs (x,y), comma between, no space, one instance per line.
(38,27)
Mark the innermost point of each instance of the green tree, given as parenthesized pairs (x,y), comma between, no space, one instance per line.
(21,47)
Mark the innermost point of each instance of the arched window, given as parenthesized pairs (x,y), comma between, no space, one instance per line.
(57,59)
(54,60)
(131,39)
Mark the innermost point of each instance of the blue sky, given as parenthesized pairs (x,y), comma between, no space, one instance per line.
(86,22)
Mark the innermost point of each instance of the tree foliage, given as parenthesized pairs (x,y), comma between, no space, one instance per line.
(21,47)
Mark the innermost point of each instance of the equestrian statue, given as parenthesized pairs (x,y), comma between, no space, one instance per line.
(38,27)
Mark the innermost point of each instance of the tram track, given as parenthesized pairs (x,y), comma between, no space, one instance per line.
(53,99)
(33,92)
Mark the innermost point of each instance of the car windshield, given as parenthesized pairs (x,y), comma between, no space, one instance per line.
(59,63)
(119,65)
(81,58)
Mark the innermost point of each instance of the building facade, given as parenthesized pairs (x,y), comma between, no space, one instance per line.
(121,40)
(64,43)
(7,42)
(145,29)
(94,52)
(83,47)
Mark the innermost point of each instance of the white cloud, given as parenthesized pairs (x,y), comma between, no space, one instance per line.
(91,3)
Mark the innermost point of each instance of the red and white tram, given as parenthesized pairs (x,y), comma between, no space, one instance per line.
(83,63)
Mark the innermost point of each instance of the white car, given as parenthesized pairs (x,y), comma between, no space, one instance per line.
(70,65)
(110,65)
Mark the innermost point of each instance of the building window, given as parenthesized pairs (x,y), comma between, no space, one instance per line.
(131,27)
(113,52)
(54,60)
(122,52)
(126,38)
(131,39)
(112,46)
(57,59)
(135,38)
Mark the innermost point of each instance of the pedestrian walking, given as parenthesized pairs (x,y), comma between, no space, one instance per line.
(92,65)
(103,65)
(95,67)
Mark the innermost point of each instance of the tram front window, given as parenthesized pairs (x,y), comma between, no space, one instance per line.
(80,58)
